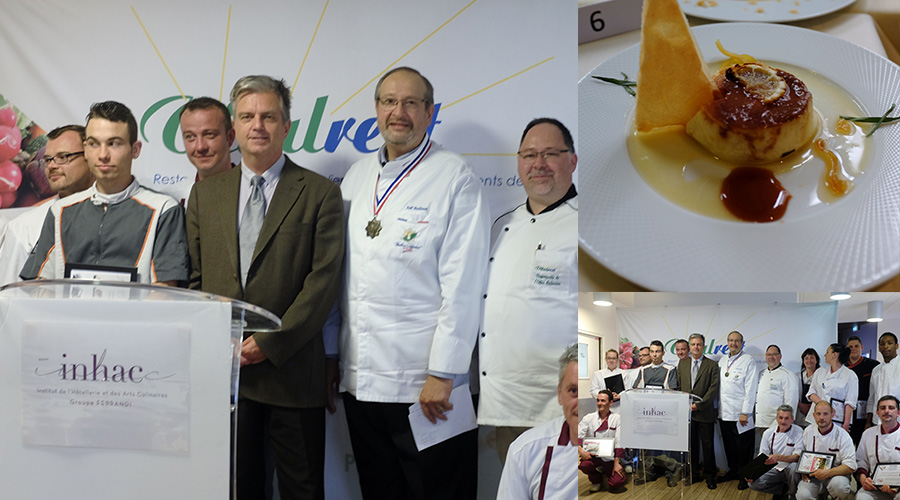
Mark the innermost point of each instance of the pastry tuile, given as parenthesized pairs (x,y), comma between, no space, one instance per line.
(672,82)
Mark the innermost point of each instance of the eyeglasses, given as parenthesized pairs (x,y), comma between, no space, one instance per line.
(549,155)
(59,158)
(409,104)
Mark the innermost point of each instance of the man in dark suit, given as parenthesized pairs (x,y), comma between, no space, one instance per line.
(291,267)
(699,375)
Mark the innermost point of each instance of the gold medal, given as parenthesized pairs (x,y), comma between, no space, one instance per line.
(373,228)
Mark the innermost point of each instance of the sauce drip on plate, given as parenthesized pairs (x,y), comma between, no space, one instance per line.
(754,194)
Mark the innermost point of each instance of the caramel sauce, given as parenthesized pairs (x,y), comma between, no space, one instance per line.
(834,181)
(753,194)
(682,171)
(737,108)
(844,127)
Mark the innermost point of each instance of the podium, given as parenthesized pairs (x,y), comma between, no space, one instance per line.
(119,390)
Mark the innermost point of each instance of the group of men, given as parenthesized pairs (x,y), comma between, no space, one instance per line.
(766,400)
(391,276)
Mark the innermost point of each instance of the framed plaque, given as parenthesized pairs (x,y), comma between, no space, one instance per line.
(838,406)
(599,447)
(102,273)
(814,460)
(887,473)
(615,383)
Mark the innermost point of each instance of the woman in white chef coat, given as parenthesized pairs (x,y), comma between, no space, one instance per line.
(809,363)
(836,384)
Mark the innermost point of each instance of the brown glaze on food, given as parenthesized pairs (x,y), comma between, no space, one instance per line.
(754,194)
(736,108)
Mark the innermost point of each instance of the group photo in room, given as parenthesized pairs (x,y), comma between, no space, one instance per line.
(710,395)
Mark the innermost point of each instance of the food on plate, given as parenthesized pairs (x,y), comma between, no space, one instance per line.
(671,64)
(760,114)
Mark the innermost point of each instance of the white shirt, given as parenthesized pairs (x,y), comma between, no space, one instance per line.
(527,458)
(842,384)
(837,441)
(411,303)
(782,443)
(775,388)
(876,447)
(598,383)
(591,423)
(22,234)
(885,380)
(530,312)
(737,390)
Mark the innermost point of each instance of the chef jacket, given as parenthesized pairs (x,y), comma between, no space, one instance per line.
(775,388)
(540,465)
(411,303)
(842,384)
(737,390)
(530,314)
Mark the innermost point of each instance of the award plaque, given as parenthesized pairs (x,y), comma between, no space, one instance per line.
(599,447)
(813,460)
(838,406)
(104,273)
(887,473)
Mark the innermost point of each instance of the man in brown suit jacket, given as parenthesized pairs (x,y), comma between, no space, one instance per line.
(705,384)
(293,272)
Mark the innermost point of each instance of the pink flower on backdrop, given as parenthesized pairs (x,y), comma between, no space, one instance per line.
(626,354)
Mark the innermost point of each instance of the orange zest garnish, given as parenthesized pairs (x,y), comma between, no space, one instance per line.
(844,127)
(834,181)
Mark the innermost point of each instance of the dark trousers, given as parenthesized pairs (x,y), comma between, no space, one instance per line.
(390,466)
(702,435)
(738,447)
(857,426)
(297,437)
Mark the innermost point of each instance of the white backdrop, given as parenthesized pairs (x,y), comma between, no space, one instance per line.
(793,327)
(495,65)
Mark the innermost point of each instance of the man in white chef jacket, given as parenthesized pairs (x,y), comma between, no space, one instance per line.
(777,386)
(885,377)
(878,445)
(531,306)
(738,377)
(417,244)
(825,437)
(540,464)
(781,443)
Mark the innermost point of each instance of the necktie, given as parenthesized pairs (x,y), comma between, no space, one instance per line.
(695,367)
(251,223)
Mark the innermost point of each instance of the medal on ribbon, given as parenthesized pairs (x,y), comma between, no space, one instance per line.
(373,227)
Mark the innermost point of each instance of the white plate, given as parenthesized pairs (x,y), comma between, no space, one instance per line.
(773,11)
(851,244)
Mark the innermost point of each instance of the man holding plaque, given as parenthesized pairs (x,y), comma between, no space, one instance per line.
(601,424)
(598,380)
(417,245)
(830,470)
(699,376)
(782,444)
(878,447)
(738,378)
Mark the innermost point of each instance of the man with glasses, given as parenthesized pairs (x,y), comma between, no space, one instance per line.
(777,386)
(143,230)
(68,173)
(417,242)
(530,310)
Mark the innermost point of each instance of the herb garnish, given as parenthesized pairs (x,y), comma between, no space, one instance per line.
(625,83)
(877,120)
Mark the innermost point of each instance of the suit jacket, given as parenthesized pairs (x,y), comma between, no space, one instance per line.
(294,274)
(706,386)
